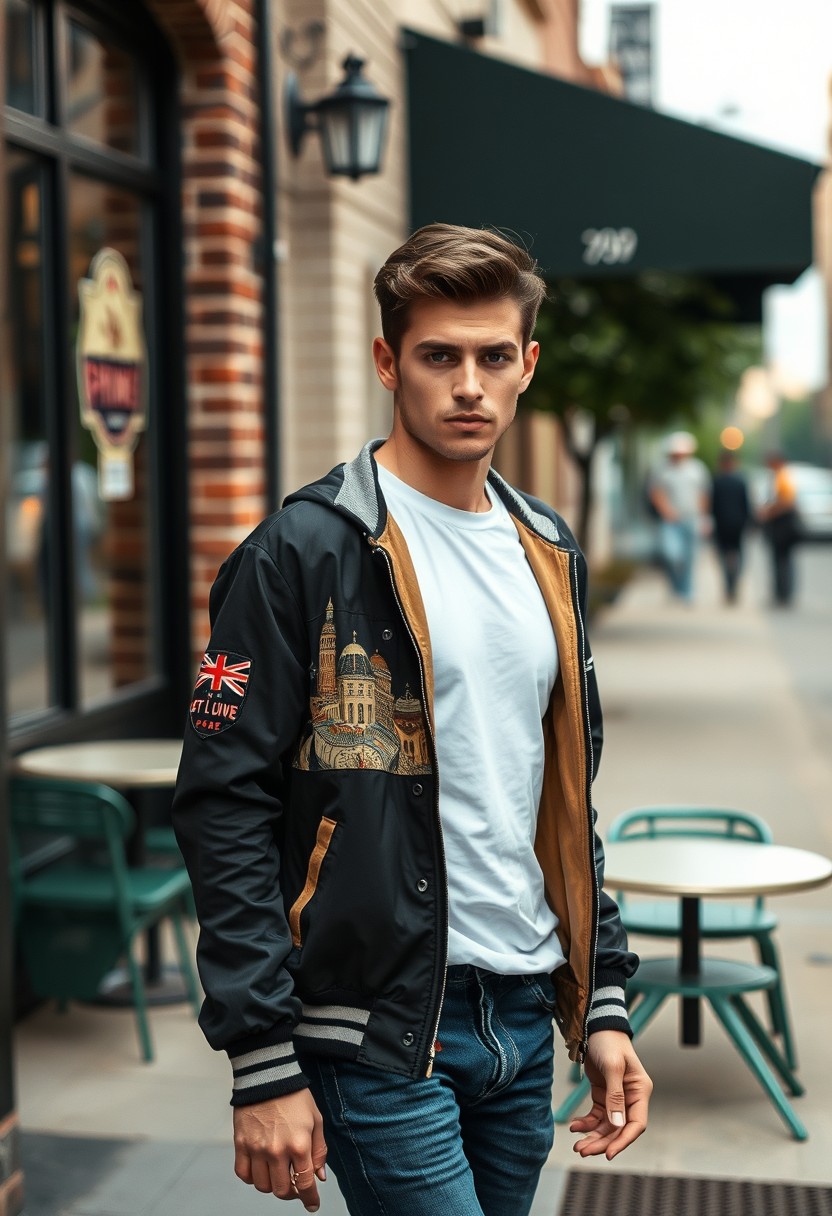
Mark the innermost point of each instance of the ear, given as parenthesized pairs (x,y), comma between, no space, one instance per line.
(530,355)
(385,361)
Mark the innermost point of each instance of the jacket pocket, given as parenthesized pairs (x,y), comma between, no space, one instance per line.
(316,860)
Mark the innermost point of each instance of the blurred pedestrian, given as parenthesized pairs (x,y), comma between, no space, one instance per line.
(731,515)
(781,526)
(680,491)
(384,952)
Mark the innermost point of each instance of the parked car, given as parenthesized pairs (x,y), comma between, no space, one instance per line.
(814,500)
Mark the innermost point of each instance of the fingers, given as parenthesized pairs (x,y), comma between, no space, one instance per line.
(304,1186)
(319,1149)
(620,1098)
(274,1175)
(280,1148)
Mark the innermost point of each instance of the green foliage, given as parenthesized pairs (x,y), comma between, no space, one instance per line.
(646,350)
(653,351)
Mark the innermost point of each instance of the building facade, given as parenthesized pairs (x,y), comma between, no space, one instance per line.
(185,325)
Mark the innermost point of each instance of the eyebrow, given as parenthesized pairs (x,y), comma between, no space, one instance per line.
(433,344)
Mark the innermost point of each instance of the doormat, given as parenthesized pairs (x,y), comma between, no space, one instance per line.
(595,1194)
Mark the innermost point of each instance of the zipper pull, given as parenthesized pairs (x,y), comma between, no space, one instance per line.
(437,1046)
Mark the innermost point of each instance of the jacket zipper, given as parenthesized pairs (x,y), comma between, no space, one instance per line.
(576,607)
(377,548)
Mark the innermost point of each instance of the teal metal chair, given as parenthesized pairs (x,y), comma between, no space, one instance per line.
(78,916)
(719,919)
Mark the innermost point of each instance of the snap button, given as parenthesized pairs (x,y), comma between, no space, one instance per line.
(418,789)
(422,884)
(386,634)
(407,1039)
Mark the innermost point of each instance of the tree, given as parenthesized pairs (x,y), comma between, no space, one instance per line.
(645,350)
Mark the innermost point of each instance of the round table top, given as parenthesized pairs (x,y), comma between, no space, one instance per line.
(124,763)
(686,867)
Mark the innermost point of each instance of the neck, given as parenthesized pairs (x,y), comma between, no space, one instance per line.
(456,483)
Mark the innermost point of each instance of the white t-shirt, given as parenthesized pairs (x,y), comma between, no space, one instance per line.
(494,665)
(684,482)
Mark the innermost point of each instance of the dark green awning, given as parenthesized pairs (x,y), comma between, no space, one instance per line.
(596,185)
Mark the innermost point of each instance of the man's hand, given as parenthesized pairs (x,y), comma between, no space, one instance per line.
(279,1147)
(620,1096)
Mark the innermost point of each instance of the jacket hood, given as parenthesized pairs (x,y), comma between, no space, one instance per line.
(353,489)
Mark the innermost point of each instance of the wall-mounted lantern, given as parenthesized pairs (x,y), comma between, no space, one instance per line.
(352,121)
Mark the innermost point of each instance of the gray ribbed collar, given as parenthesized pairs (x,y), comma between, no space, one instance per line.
(360,495)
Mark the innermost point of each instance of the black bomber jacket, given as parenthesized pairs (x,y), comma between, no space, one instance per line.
(307,800)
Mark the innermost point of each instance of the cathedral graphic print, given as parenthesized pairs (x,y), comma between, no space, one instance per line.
(356,720)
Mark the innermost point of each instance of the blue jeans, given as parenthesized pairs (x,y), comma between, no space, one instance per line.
(468,1141)
(677,542)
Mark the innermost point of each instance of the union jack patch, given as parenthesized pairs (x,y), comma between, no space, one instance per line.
(219,693)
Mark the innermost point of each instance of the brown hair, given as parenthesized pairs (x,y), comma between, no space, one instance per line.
(448,262)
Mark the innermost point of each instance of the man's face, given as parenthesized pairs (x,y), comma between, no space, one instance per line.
(457,376)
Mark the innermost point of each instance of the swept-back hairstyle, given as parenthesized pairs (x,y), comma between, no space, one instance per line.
(448,262)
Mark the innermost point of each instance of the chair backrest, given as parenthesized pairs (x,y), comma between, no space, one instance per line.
(81,810)
(690,822)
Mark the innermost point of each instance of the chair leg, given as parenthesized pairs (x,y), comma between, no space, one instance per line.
(139,1003)
(745,1045)
(777,999)
(640,1014)
(185,963)
(767,1046)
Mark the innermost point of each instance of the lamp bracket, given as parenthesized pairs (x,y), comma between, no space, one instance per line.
(298,114)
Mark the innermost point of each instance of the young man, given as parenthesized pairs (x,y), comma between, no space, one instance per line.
(384,799)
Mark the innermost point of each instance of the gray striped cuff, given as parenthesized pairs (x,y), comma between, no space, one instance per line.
(608,1010)
(266,1065)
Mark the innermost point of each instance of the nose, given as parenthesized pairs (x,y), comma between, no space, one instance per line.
(468,386)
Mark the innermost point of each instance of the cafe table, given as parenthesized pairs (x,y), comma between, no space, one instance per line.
(135,767)
(691,870)
(125,764)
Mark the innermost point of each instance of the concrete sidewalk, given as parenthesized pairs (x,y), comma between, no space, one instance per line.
(700,707)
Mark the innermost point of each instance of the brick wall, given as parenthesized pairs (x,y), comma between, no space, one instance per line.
(216,44)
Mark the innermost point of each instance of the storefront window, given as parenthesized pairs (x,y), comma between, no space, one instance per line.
(28,590)
(101,91)
(21,84)
(89,601)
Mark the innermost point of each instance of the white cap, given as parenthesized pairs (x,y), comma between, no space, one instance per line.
(680,443)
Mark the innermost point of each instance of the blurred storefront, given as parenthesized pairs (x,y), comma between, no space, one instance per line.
(156,402)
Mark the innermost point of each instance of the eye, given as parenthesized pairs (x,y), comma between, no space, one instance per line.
(496,357)
(438,356)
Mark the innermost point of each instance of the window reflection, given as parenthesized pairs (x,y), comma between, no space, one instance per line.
(28,586)
(115,578)
(20,57)
(101,91)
